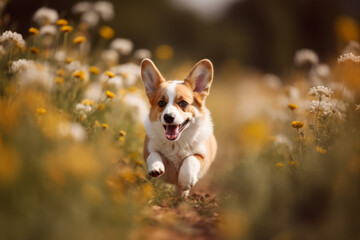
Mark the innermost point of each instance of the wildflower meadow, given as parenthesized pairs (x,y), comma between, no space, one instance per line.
(72,108)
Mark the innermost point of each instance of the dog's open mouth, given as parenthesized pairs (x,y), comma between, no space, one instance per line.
(173,131)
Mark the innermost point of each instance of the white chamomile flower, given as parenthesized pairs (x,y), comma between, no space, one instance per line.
(349,57)
(13,37)
(21,64)
(44,16)
(47,30)
(305,56)
(142,53)
(105,10)
(320,92)
(122,45)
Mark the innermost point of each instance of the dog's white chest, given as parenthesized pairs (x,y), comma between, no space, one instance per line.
(175,152)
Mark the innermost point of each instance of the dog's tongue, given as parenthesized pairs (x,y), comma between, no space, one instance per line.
(172,131)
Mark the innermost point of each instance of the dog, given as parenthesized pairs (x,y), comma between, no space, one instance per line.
(179,144)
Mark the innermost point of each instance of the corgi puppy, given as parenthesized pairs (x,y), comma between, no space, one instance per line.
(179,144)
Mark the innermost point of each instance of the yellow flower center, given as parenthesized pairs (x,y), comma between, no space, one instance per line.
(41,111)
(110,74)
(34,50)
(110,94)
(79,40)
(87,102)
(33,31)
(66,28)
(62,22)
(59,80)
(297,124)
(79,74)
(293,106)
(106,32)
(94,70)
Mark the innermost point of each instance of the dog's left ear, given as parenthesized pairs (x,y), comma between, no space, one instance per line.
(200,77)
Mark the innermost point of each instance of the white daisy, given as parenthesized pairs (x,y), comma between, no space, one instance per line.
(320,92)
(14,37)
(305,56)
(122,45)
(105,10)
(45,16)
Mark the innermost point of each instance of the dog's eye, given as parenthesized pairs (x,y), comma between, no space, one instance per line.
(161,103)
(183,104)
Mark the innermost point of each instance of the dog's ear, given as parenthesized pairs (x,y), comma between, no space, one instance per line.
(151,76)
(200,77)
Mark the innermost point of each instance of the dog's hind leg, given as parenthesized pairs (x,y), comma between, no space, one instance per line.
(188,174)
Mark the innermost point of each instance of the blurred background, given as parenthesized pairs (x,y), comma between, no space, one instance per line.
(288,162)
(260,33)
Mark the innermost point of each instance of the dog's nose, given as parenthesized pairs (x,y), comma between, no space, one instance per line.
(168,118)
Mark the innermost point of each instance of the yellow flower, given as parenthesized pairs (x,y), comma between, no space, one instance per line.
(134,155)
(94,70)
(61,72)
(62,22)
(33,31)
(347,29)
(105,126)
(66,28)
(97,123)
(106,32)
(128,175)
(297,124)
(34,50)
(293,163)
(41,111)
(279,165)
(87,102)
(110,74)
(79,40)
(320,150)
(293,106)
(121,139)
(110,94)
(164,52)
(79,74)
(59,80)
(122,133)
(68,60)
(100,106)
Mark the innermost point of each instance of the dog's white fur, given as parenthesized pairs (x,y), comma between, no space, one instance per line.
(186,159)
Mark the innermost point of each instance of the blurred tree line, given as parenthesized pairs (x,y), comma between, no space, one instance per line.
(260,33)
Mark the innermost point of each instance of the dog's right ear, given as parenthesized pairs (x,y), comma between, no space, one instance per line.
(151,76)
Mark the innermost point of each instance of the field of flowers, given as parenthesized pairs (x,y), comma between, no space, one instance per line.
(72,107)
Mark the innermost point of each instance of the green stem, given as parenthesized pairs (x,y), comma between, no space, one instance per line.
(317,119)
(300,148)
(65,41)
(10,57)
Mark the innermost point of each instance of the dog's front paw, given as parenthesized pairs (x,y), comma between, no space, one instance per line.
(157,169)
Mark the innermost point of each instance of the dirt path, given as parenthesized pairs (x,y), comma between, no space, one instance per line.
(193,218)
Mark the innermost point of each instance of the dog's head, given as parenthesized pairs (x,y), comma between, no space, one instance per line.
(176,104)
